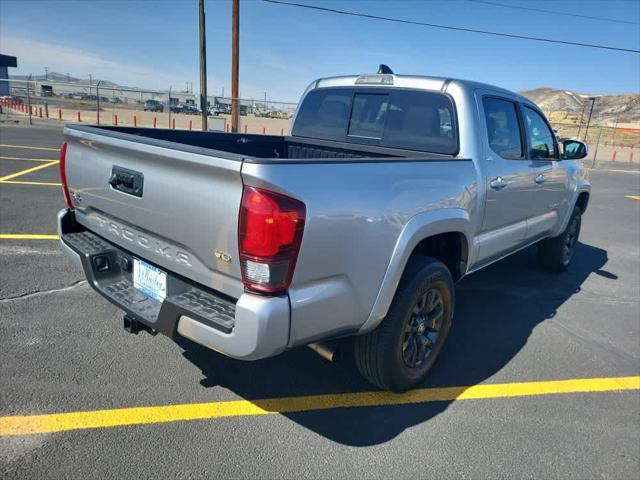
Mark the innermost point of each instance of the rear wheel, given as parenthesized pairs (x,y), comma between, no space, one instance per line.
(555,254)
(401,351)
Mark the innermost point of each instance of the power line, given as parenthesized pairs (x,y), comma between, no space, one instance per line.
(554,12)
(449,27)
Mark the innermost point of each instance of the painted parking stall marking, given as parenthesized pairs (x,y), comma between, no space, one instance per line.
(28,236)
(59,422)
(29,147)
(28,170)
(28,159)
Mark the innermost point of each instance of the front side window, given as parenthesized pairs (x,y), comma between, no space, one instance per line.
(540,137)
(503,128)
(393,118)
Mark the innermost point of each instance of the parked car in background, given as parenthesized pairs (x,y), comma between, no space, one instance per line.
(389,189)
(192,110)
(153,106)
(184,108)
(46,90)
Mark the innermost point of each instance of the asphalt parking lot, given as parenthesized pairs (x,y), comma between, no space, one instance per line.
(539,377)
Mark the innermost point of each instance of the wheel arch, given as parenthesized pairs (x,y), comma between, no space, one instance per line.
(582,202)
(442,234)
(579,198)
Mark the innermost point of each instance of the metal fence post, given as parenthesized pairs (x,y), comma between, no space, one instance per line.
(615,129)
(29,99)
(169,105)
(98,101)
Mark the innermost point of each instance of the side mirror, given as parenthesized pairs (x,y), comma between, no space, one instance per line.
(574,150)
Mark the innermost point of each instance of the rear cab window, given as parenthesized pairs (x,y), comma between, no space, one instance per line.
(392,118)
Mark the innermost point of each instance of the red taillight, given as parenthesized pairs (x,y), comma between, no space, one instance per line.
(269,237)
(63,175)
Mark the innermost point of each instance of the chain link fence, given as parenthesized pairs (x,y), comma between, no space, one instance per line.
(105,104)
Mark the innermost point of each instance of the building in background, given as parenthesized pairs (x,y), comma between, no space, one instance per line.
(6,61)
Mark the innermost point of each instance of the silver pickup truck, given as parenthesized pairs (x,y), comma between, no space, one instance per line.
(387,190)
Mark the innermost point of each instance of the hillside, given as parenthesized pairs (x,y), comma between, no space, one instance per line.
(566,106)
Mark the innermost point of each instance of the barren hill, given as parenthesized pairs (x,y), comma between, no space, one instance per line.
(564,105)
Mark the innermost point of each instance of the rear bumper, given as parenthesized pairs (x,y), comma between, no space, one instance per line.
(249,328)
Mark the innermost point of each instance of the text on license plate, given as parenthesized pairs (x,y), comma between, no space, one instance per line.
(149,280)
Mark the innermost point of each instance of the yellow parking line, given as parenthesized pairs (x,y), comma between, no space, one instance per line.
(28,147)
(58,422)
(30,159)
(25,236)
(28,170)
(24,182)
(633,197)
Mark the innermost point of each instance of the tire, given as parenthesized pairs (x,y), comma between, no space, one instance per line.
(385,356)
(555,254)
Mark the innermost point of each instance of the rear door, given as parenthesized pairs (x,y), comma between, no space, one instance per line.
(173,205)
(509,180)
(550,174)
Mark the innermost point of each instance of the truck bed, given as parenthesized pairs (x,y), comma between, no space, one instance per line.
(257,148)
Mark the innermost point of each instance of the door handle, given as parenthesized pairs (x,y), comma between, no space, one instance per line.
(498,183)
(540,179)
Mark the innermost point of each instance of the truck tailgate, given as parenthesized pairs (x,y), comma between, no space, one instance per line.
(184,217)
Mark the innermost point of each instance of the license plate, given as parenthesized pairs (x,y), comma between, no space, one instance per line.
(149,280)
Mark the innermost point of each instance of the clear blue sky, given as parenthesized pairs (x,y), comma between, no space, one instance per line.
(153,43)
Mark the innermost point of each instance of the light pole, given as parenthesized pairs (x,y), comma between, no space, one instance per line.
(584,106)
(593,101)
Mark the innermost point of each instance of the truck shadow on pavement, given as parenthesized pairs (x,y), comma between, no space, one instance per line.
(497,309)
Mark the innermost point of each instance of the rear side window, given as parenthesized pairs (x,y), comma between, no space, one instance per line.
(503,127)
(540,137)
(406,119)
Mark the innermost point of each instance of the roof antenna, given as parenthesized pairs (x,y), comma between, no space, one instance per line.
(384,69)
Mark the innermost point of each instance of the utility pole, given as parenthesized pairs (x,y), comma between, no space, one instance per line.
(235,53)
(203,66)
(46,73)
(593,101)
